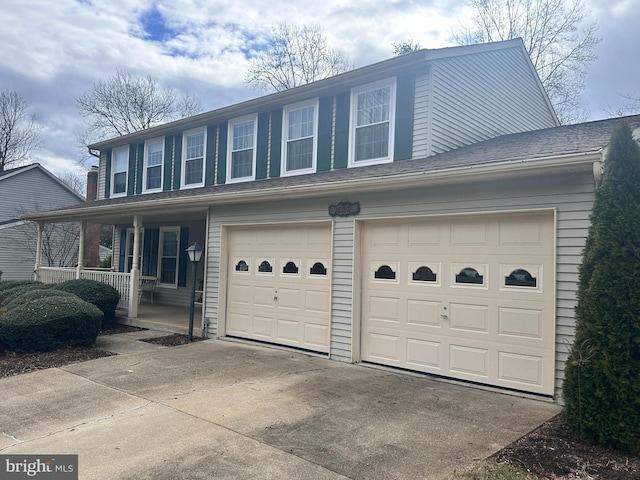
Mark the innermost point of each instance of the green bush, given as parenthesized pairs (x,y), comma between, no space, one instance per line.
(7,284)
(7,294)
(28,295)
(49,323)
(103,296)
(106,262)
(602,375)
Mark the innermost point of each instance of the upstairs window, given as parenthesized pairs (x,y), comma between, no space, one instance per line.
(193,158)
(153,155)
(119,169)
(242,152)
(372,123)
(299,138)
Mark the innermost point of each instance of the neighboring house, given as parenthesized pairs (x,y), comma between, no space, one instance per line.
(426,213)
(27,189)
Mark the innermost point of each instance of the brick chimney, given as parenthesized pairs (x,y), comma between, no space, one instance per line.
(92,233)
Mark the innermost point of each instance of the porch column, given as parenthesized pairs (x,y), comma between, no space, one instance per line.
(134,276)
(83,226)
(36,269)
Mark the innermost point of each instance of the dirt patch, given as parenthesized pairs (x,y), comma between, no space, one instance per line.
(552,451)
(172,340)
(17,363)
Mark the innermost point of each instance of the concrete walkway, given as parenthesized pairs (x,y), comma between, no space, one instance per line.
(222,410)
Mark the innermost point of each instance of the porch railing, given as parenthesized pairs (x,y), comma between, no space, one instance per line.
(119,281)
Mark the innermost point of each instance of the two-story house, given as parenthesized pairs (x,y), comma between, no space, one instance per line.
(426,212)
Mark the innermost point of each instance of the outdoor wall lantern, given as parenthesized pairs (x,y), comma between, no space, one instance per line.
(195,253)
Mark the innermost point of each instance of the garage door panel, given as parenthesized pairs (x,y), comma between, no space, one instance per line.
(522,370)
(469,360)
(507,317)
(281,292)
(474,318)
(424,354)
(423,313)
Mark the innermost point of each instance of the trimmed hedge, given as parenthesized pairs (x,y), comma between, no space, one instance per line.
(10,293)
(7,284)
(49,323)
(25,296)
(103,296)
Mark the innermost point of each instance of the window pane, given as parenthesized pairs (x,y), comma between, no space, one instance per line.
(195,145)
(300,154)
(169,244)
(193,171)
(121,160)
(154,177)
(120,182)
(243,136)
(154,155)
(168,271)
(373,106)
(372,142)
(242,164)
(301,123)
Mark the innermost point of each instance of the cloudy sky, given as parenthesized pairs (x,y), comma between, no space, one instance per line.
(53,51)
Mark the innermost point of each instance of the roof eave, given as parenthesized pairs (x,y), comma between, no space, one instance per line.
(490,171)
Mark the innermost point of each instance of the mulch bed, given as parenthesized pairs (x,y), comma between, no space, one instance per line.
(552,451)
(172,340)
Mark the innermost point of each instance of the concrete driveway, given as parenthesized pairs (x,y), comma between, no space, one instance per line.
(217,410)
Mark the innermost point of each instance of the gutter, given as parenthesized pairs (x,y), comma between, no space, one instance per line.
(380,183)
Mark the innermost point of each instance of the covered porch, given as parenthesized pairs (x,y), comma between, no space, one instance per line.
(150,267)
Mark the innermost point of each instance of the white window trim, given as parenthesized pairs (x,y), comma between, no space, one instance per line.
(127,244)
(285,134)
(160,255)
(113,173)
(389,82)
(146,166)
(245,119)
(183,162)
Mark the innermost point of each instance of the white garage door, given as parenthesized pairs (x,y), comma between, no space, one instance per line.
(278,285)
(469,297)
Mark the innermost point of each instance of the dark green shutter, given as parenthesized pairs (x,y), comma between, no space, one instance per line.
(210,163)
(150,252)
(166,168)
(276,142)
(325,114)
(177,162)
(122,259)
(131,174)
(140,167)
(262,147)
(183,257)
(405,99)
(223,128)
(107,176)
(342,130)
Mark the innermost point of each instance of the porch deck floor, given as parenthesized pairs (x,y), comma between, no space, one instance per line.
(165,318)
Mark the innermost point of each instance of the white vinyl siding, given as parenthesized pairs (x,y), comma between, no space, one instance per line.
(371,135)
(153,168)
(119,171)
(193,149)
(473,99)
(241,156)
(299,138)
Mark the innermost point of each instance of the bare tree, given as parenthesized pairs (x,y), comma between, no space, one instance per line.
(125,103)
(408,46)
(19,132)
(295,55)
(560,42)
